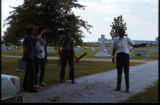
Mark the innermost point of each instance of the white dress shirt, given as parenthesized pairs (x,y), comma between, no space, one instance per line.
(40,43)
(122,44)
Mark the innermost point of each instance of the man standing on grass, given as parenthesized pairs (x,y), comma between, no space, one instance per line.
(121,48)
(67,53)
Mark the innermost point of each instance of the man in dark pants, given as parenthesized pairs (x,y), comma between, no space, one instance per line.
(28,56)
(39,56)
(121,48)
(67,53)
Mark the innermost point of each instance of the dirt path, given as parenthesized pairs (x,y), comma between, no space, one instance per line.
(97,88)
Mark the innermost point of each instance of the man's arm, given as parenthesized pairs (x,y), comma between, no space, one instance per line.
(74,52)
(43,31)
(24,52)
(60,45)
(131,43)
(25,49)
(139,45)
(113,56)
(59,49)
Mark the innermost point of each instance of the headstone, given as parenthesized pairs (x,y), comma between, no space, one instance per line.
(140,53)
(102,51)
(11,47)
(52,64)
(3,47)
(93,49)
(77,49)
(21,66)
(153,49)
(107,49)
(48,48)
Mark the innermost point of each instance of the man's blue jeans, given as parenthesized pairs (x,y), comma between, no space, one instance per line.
(39,63)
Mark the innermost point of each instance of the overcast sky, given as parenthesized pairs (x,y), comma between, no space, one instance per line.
(141,17)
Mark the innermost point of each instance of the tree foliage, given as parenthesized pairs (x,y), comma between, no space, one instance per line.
(53,14)
(117,24)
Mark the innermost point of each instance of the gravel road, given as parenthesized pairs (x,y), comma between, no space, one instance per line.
(97,88)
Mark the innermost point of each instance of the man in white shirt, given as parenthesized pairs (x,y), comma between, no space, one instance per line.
(121,48)
(39,59)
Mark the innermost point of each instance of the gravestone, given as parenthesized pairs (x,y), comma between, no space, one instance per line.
(140,53)
(21,66)
(11,47)
(52,64)
(102,51)
(107,49)
(78,49)
(48,48)
(3,47)
(93,49)
(153,49)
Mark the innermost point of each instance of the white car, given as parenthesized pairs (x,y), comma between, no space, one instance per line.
(10,87)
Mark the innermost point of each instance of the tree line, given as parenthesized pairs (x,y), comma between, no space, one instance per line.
(55,15)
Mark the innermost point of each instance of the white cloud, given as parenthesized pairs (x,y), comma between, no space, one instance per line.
(152,2)
(141,19)
(118,1)
(140,29)
(141,24)
(6,8)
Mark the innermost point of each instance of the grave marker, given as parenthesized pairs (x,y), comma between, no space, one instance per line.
(140,53)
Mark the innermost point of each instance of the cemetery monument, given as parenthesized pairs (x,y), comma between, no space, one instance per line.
(141,53)
(102,51)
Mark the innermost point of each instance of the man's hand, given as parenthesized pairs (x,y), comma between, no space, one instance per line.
(75,56)
(113,60)
(144,44)
(22,57)
(59,52)
(43,31)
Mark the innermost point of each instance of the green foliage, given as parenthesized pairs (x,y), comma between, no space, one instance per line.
(53,14)
(117,24)
(150,95)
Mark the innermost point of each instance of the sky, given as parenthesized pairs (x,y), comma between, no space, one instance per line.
(141,17)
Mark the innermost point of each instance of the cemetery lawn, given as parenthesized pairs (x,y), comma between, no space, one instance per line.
(90,53)
(150,95)
(82,68)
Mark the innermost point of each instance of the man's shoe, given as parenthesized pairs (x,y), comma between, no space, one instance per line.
(43,84)
(37,86)
(117,89)
(127,91)
(73,82)
(34,90)
(62,81)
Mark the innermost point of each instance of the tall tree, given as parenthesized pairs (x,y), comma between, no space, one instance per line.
(117,24)
(53,14)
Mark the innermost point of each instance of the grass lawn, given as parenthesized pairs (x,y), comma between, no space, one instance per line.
(53,52)
(82,68)
(150,95)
